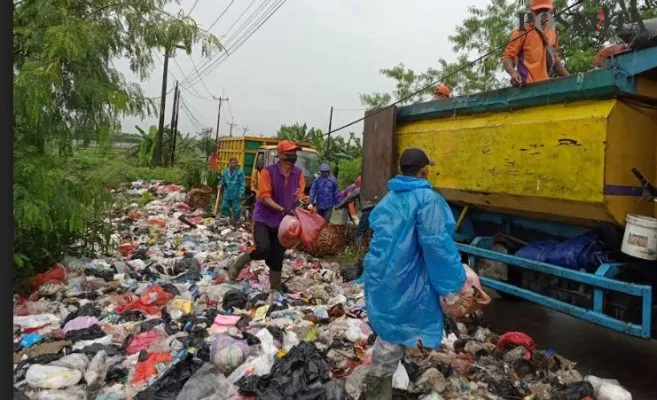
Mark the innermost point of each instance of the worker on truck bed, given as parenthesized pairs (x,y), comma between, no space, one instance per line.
(325,192)
(232,185)
(533,54)
(281,187)
(349,212)
(412,261)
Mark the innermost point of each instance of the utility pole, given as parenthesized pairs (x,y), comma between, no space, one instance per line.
(163,103)
(221,99)
(231,128)
(328,141)
(174,124)
(244,131)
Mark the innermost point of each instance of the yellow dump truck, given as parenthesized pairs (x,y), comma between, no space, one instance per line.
(545,164)
(249,149)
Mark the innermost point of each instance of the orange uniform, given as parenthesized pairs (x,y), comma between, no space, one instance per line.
(264,185)
(529,53)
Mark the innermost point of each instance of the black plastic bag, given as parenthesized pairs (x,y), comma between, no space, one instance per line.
(169,288)
(107,275)
(132,316)
(234,299)
(573,391)
(185,265)
(172,381)
(140,254)
(413,370)
(91,333)
(295,376)
(503,388)
(250,339)
(352,272)
(149,324)
(96,347)
(116,373)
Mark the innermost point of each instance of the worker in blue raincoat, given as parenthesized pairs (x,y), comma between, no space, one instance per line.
(232,185)
(412,261)
(325,192)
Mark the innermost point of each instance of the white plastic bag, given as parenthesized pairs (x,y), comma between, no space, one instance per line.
(97,371)
(608,389)
(76,361)
(35,321)
(290,340)
(73,393)
(208,384)
(52,377)
(400,379)
(255,366)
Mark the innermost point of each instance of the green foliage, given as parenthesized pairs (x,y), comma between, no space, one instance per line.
(349,171)
(332,152)
(193,175)
(212,178)
(487,28)
(66,87)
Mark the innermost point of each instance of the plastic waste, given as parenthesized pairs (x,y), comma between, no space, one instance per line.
(148,367)
(234,299)
(470,299)
(92,333)
(77,361)
(83,344)
(52,377)
(171,382)
(222,322)
(80,323)
(302,368)
(289,232)
(72,393)
(608,389)
(55,275)
(30,340)
(311,225)
(431,380)
(208,384)
(574,391)
(513,339)
(143,341)
(576,253)
(400,379)
(35,321)
(97,370)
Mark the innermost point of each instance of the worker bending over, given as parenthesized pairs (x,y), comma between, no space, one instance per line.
(280,187)
(349,213)
(232,186)
(533,54)
(324,193)
(412,261)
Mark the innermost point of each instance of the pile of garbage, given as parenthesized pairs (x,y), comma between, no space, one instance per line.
(159,319)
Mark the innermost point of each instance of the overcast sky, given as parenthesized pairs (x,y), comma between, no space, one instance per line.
(310,55)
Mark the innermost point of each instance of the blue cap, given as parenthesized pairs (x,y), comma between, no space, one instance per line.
(324,167)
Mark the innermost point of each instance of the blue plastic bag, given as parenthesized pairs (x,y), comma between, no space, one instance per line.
(576,253)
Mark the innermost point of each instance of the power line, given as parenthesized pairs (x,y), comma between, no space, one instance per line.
(192,88)
(221,15)
(192,9)
(272,10)
(442,78)
(250,18)
(241,32)
(200,77)
(240,17)
(232,118)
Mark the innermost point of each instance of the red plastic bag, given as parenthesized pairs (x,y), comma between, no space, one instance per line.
(516,339)
(157,221)
(55,275)
(607,52)
(146,369)
(155,296)
(126,248)
(289,232)
(143,341)
(311,226)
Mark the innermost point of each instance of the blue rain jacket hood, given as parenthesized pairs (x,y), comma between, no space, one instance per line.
(325,192)
(412,261)
(232,183)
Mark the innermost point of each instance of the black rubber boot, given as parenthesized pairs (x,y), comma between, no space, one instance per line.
(238,266)
(274,286)
(378,388)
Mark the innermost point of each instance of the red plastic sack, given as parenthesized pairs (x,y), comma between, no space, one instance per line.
(289,232)
(146,369)
(516,339)
(126,248)
(157,221)
(607,52)
(55,275)
(311,226)
(143,341)
(155,296)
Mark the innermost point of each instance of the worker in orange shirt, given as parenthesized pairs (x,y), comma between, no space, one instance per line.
(442,92)
(533,54)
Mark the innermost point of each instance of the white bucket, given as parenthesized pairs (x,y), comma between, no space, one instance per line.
(640,239)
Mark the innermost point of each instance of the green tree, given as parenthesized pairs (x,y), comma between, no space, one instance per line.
(206,142)
(66,87)
(489,27)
